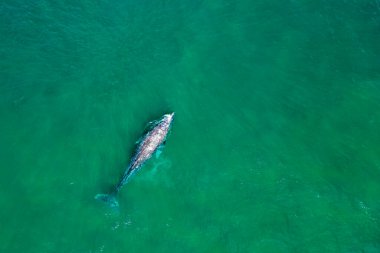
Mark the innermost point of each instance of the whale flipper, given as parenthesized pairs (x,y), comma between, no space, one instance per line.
(159,150)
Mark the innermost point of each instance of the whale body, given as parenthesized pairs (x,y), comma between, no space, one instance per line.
(148,145)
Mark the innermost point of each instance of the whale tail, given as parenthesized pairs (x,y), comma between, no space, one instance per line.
(109,199)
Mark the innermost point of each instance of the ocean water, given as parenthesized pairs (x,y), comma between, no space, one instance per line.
(275,146)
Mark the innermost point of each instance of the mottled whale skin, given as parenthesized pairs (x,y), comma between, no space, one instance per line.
(148,144)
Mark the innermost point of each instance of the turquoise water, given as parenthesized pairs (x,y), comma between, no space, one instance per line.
(275,146)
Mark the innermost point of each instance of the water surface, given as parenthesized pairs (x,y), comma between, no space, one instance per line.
(275,146)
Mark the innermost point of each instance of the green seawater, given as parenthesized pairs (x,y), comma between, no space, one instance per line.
(275,145)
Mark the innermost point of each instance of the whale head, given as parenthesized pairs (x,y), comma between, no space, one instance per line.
(169,117)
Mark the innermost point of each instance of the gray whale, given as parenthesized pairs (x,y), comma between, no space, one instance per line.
(148,144)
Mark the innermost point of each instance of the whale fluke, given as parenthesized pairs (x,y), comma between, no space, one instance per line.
(109,199)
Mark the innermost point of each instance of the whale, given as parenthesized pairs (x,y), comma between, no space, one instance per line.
(151,142)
